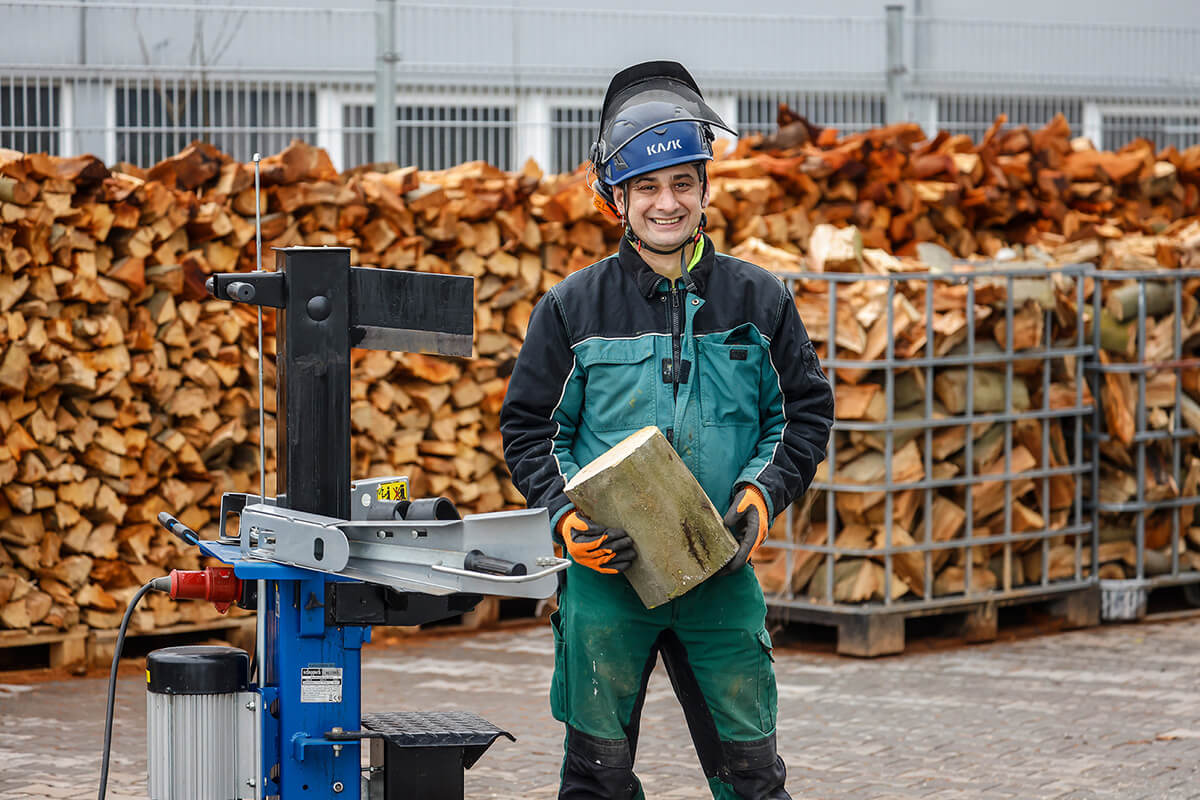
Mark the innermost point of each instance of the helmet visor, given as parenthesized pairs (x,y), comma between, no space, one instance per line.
(647,105)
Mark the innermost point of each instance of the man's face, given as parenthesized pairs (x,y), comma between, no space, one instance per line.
(664,206)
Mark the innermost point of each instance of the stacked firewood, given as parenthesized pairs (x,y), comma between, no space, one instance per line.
(125,390)
(128,391)
(1015,186)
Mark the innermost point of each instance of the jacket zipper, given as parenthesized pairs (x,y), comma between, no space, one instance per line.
(675,340)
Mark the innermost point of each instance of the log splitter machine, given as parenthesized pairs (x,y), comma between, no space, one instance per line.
(326,559)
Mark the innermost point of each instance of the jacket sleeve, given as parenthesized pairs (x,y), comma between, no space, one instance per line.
(796,415)
(541,411)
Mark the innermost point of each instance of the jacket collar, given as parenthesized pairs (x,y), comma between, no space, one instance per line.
(648,280)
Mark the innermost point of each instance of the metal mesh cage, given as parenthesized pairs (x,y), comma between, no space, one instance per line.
(955,470)
(1145,441)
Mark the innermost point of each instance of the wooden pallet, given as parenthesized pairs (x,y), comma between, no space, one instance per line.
(869,631)
(238,631)
(58,648)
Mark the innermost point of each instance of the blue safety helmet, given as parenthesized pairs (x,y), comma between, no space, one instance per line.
(653,116)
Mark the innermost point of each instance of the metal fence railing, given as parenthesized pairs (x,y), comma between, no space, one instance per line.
(131,81)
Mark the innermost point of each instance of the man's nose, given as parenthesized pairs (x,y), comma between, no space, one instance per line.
(666,200)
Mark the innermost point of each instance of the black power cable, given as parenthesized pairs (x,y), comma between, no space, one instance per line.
(162,585)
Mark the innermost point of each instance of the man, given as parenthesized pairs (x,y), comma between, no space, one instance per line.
(710,349)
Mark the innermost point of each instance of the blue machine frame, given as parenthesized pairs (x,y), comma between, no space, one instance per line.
(295,716)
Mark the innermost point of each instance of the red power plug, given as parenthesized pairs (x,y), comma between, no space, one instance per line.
(218,585)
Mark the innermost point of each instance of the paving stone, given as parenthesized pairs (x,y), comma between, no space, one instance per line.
(1112,712)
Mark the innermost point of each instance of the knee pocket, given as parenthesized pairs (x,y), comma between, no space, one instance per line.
(596,767)
(768,695)
(558,683)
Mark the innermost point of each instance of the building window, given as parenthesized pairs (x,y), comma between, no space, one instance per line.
(358,135)
(572,132)
(432,136)
(1180,131)
(850,111)
(158,120)
(439,137)
(29,115)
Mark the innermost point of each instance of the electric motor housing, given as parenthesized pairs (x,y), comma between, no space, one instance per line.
(201,724)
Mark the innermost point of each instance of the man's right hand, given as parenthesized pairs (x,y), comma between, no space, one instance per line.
(608,550)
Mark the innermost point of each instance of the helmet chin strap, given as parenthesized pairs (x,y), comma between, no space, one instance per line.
(637,241)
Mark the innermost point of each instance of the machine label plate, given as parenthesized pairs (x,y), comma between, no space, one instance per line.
(321,685)
(396,490)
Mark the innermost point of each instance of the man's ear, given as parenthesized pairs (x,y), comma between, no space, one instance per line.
(619,198)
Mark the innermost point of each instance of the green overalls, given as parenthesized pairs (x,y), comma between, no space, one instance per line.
(606,643)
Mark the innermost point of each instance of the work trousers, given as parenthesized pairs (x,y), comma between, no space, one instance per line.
(717,653)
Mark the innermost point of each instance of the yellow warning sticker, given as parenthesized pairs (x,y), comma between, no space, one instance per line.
(147,676)
(396,490)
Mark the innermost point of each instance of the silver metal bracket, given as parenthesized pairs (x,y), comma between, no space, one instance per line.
(427,556)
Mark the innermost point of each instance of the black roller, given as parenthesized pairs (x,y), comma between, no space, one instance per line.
(431,509)
(198,669)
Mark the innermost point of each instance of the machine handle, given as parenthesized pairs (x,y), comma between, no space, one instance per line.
(559,565)
(177,528)
(476,561)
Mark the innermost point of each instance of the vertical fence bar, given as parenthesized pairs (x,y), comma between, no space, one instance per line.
(1140,429)
(1047,506)
(1173,428)
(831,493)
(930,353)
(889,442)
(1009,355)
(969,420)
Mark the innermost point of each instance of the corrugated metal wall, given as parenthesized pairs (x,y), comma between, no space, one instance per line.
(134,81)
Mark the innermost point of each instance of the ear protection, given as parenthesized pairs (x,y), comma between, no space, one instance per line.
(602,196)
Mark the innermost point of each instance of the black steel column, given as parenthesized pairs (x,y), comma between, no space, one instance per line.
(312,362)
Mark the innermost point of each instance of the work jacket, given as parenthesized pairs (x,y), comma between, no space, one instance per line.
(719,361)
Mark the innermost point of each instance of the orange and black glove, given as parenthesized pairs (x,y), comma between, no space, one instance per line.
(608,550)
(747,521)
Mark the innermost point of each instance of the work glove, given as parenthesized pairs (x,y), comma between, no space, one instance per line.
(607,550)
(747,521)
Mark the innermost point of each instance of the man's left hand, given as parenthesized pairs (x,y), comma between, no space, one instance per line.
(747,521)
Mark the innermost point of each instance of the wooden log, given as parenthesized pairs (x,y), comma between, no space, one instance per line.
(953,580)
(1122,302)
(643,487)
(855,580)
(989,391)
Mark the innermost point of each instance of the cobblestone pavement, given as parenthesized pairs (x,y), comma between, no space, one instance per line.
(1111,712)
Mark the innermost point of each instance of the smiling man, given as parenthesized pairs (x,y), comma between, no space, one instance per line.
(710,349)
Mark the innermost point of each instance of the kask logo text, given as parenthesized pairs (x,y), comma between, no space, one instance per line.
(662,147)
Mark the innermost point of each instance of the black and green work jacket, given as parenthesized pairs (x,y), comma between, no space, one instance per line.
(719,361)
